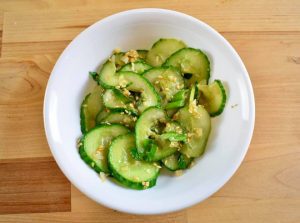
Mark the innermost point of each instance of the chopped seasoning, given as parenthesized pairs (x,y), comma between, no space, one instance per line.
(192,164)
(102,176)
(117,50)
(178,173)
(126,92)
(100,148)
(193,109)
(125,59)
(198,132)
(131,55)
(174,144)
(145,183)
(158,166)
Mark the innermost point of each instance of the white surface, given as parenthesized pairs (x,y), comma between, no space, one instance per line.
(139,29)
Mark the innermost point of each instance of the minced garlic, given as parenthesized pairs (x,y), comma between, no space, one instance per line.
(130,56)
(145,183)
(178,173)
(117,50)
(102,176)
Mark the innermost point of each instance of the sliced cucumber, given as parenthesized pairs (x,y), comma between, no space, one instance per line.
(167,81)
(162,49)
(127,171)
(113,99)
(95,143)
(151,141)
(196,121)
(191,61)
(136,67)
(140,85)
(121,118)
(213,97)
(107,77)
(177,161)
(90,107)
(142,54)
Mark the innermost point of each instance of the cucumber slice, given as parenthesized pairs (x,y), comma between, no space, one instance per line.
(90,107)
(191,61)
(121,118)
(127,171)
(113,99)
(94,145)
(162,49)
(213,97)
(167,81)
(151,143)
(136,67)
(136,83)
(196,121)
(107,77)
(142,54)
(177,161)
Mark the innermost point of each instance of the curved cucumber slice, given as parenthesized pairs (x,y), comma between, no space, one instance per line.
(142,54)
(162,49)
(196,121)
(152,142)
(115,100)
(90,107)
(177,161)
(191,61)
(95,143)
(129,172)
(107,77)
(136,67)
(213,97)
(121,118)
(138,84)
(167,81)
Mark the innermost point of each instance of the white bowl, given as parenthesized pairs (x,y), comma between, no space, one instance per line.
(139,29)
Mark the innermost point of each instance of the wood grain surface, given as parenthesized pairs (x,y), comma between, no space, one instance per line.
(266,34)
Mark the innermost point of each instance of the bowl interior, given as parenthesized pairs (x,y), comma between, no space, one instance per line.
(139,29)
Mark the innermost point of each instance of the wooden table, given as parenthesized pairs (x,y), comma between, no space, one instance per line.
(266,188)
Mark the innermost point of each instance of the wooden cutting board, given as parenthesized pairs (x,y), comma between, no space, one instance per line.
(266,34)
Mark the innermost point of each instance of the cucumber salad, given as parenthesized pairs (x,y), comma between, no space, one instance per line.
(149,109)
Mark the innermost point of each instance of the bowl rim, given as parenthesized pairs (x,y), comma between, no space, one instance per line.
(196,200)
